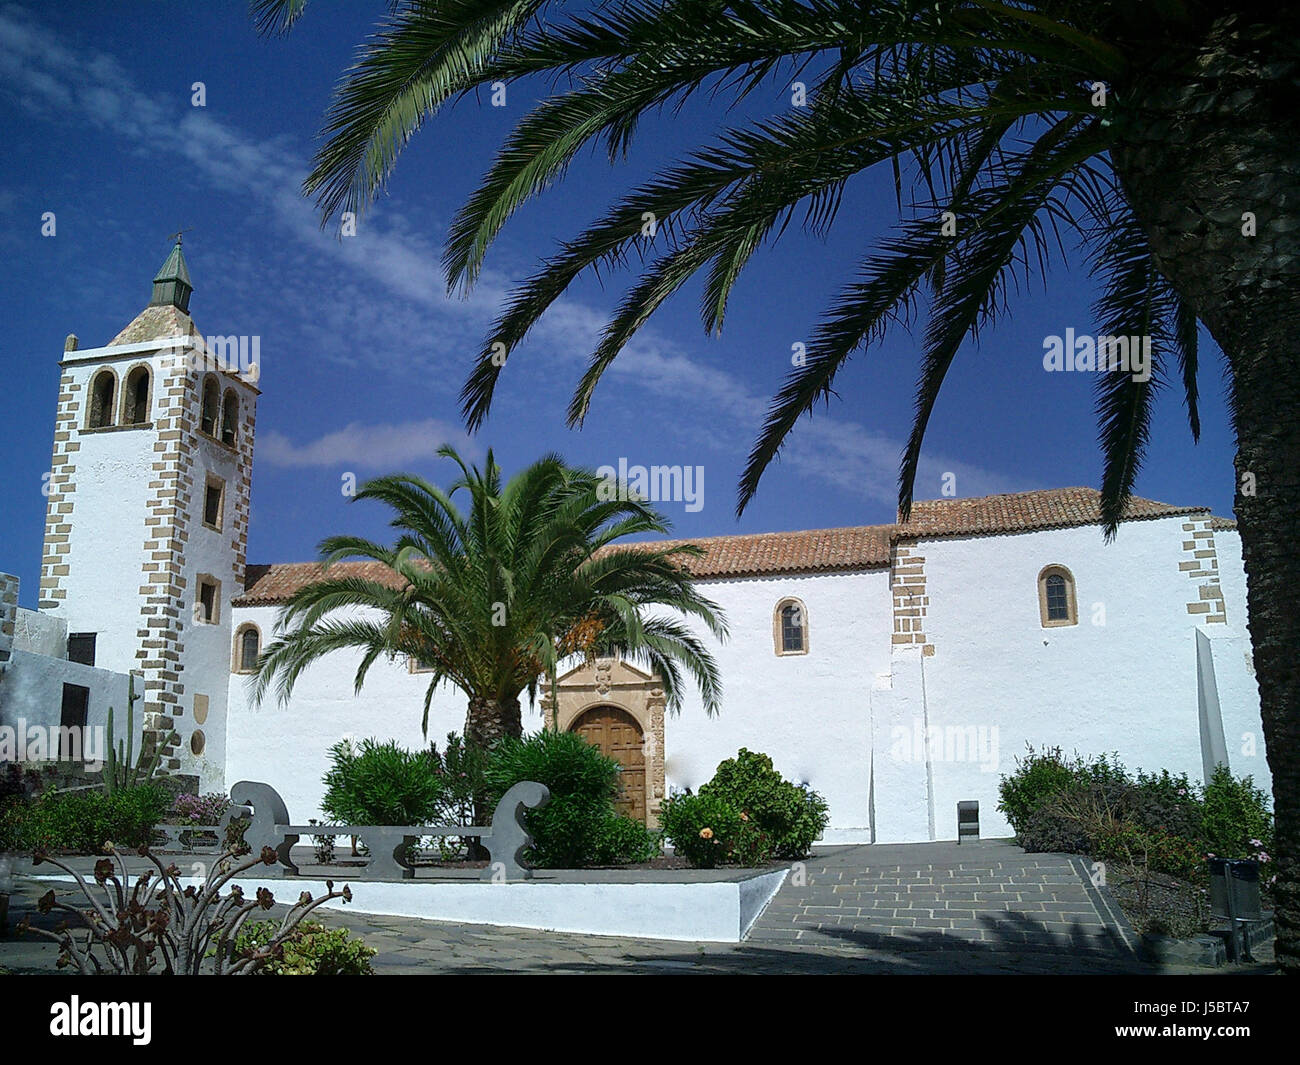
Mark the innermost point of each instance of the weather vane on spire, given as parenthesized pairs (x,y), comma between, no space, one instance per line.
(177,235)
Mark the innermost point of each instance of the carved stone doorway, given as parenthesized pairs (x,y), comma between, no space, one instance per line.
(621,710)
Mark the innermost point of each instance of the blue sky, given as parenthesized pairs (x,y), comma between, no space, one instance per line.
(363,353)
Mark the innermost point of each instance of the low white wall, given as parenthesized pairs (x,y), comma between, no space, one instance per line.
(708,912)
(42,634)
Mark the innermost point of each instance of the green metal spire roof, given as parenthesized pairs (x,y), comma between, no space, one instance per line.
(172,285)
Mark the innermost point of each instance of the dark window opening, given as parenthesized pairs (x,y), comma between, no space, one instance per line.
(76,702)
(81,648)
(137,397)
(229,418)
(248,650)
(212,505)
(101,400)
(207,601)
(211,401)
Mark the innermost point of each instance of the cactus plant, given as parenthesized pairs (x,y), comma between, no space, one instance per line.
(121,770)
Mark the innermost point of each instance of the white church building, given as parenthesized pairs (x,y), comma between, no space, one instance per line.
(896,669)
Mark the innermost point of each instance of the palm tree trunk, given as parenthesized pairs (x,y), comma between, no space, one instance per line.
(487,722)
(1217,191)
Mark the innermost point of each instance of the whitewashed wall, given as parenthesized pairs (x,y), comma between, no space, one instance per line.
(31,693)
(288,746)
(1122,680)
(208,647)
(106,553)
(810,712)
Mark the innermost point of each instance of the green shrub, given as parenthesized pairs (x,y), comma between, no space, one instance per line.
(1037,778)
(82,821)
(623,841)
(1052,827)
(12,815)
(1165,803)
(1235,819)
(1160,821)
(576,827)
(784,818)
(1160,851)
(462,768)
(382,784)
(311,950)
(566,763)
(703,829)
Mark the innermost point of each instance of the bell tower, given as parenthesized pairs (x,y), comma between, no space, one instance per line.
(147,518)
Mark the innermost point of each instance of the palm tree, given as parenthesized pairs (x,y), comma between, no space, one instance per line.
(496,596)
(1160,136)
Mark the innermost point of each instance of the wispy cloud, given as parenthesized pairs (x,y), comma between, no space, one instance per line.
(366,447)
(387,298)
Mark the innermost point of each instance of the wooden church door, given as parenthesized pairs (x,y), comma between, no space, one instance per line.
(618,735)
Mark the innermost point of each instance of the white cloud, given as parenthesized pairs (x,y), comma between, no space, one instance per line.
(368,447)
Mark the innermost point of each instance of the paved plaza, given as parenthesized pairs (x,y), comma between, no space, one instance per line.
(916,908)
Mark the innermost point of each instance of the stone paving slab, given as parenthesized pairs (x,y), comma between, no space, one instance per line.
(945,896)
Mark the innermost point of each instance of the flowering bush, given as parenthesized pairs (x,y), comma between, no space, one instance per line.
(703,829)
(782,818)
(747,814)
(205,810)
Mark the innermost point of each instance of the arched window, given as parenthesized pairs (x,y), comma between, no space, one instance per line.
(790,628)
(102,392)
(135,397)
(1056,599)
(211,402)
(248,645)
(229,417)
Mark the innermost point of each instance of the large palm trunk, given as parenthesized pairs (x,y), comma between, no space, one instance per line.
(487,722)
(1200,179)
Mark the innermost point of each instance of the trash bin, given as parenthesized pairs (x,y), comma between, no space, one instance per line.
(968,820)
(1234,897)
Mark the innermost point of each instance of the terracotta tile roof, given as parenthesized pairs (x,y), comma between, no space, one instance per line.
(1223,525)
(276,583)
(1052,508)
(807,551)
(813,550)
